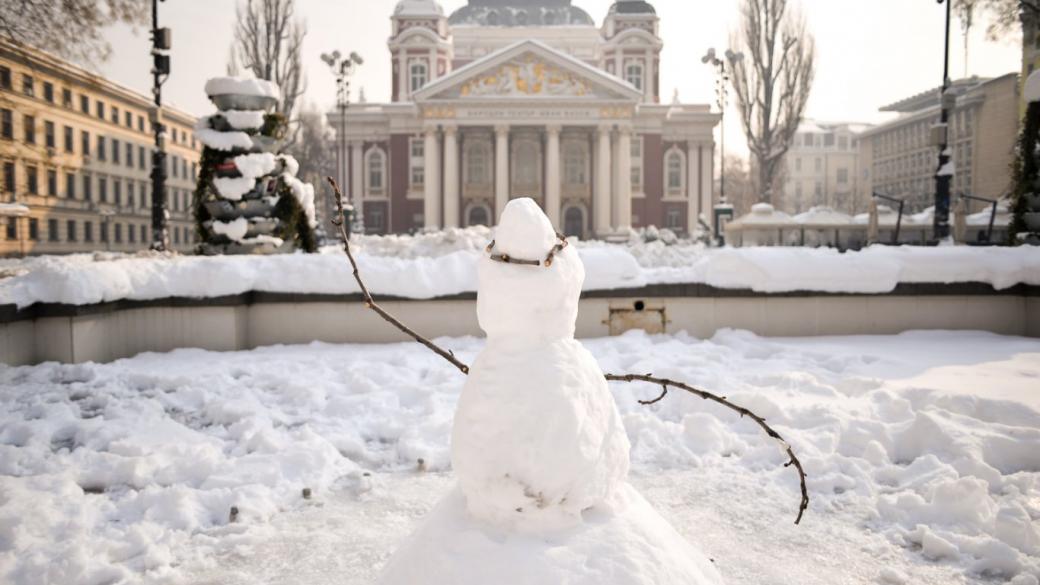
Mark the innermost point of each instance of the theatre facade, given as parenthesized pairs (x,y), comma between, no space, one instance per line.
(528,98)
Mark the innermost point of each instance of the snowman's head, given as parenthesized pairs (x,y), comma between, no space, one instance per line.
(529,300)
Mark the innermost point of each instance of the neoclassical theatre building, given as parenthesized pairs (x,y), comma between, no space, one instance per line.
(513,98)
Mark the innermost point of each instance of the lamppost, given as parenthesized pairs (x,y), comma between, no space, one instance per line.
(342,68)
(160,72)
(723,210)
(941,138)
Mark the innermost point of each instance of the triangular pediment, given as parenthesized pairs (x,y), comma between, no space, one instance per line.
(528,70)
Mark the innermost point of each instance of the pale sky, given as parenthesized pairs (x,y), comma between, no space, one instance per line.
(870,52)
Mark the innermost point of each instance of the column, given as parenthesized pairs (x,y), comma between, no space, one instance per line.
(708,181)
(402,75)
(603,175)
(451,177)
(432,181)
(624,192)
(693,185)
(357,175)
(648,78)
(501,170)
(552,175)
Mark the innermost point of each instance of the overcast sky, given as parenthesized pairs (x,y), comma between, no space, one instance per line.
(870,52)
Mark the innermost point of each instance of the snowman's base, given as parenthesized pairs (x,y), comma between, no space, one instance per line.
(629,544)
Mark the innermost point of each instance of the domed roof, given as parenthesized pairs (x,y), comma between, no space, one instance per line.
(632,7)
(521,13)
(418,8)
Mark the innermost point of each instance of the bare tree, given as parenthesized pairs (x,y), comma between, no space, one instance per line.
(268,42)
(69,28)
(316,158)
(739,191)
(772,83)
(966,14)
(1005,16)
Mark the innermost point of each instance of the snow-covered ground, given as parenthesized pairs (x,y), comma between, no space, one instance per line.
(443,263)
(922,449)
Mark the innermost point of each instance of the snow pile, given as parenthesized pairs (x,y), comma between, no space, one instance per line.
(428,266)
(242,86)
(251,120)
(223,141)
(235,230)
(921,451)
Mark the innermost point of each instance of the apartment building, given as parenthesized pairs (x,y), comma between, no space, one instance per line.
(822,168)
(76,149)
(900,160)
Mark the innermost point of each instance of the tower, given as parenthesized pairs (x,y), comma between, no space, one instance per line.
(420,46)
(632,46)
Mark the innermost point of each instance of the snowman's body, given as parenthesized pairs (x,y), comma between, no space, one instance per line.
(539,447)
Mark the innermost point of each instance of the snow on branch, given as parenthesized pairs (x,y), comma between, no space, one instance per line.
(663,382)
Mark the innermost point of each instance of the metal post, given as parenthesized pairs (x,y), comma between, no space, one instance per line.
(943,178)
(343,67)
(160,71)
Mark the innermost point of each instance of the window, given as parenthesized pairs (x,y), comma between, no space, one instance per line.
(119,233)
(140,123)
(29,122)
(84,104)
(674,172)
(117,191)
(129,155)
(49,138)
(28,85)
(478,215)
(131,235)
(637,164)
(32,179)
(100,109)
(526,172)
(574,164)
(103,228)
(115,115)
(477,164)
(144,233)
(807,140)
(34,229)
(634,75)
(130,197)
(375,173)
(102,187)
(52,230)
(12,228)
(52,182)
(70,186)
(88,191)
(843,176)
(88,231)
(9,181)
(101,154)
(828,139)
(843,142)
(48,91)
(5,78)
(85,142)
(419,76)
(68,138)
(66,98)
(143,197)
(140,157)
(176,236)
(6,124)
(70,230)
(115,151)
(818,189)
(672,219)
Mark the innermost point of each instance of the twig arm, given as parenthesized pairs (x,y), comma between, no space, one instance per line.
(666,383)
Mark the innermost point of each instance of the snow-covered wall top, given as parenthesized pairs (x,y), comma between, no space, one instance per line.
(435,265)
(242,86)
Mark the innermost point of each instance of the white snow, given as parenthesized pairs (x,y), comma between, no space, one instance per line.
(235,229)
(13,210)
(256,165)
(444,263)
(304,194)
(1031,91)
(244,119)
(225,141)
(948,170)
(233,188)
(822,215)
(242,86)
(938,430)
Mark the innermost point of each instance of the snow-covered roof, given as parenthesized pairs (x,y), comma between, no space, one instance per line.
(418,8)
(521,13)
(823,216)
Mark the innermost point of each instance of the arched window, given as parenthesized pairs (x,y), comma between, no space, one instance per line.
(376,175)
(492,18)
(673,172)
(477,164)
(574,166)
(634,75)
(419,75)
(478,215)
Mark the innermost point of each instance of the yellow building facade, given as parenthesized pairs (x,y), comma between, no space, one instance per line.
(76,149)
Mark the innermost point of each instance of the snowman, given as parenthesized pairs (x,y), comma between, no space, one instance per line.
(538,445)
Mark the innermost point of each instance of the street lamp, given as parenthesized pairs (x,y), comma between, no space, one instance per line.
(160,73)
(941,135)
(723,210)
(342,68)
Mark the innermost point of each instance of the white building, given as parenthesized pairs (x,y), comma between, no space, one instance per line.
(823,168)
(511,98)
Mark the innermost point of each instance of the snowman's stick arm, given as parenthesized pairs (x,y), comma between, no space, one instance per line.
(367,296)
(666,383)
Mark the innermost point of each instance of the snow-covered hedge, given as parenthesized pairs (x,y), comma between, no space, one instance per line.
(443,263)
